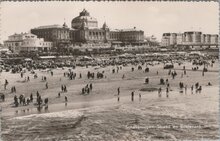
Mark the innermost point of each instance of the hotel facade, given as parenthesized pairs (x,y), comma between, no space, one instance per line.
(84,30)
(190,38)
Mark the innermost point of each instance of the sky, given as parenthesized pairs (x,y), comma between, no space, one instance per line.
(154,18)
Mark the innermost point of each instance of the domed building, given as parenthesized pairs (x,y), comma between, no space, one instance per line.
(84,17)
(84,30)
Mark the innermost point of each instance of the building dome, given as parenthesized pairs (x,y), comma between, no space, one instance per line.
(84,17)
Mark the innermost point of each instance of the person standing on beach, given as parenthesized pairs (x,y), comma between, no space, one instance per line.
(38,93)
(118,97)
(62,89)
(46,85)
(139,96)
(159,92)
(185,89)
(31,97)
(90,86)
(6,83)
(184,72)
(132,96)
(3,97)
(14,89)
(192,89)
(123,76)
(66,100)
(118,90)
(200,89)
(167,92)
(65,89)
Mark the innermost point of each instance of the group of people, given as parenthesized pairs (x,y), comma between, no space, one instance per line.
(13,89)
(22,100)
(63,88)
(132,96)
(71,75)
(87,89)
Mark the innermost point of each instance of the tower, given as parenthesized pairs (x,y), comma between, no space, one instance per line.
(106,30)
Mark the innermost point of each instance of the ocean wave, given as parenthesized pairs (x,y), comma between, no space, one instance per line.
(62,114)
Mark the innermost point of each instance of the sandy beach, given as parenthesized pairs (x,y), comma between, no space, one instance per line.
(99,116)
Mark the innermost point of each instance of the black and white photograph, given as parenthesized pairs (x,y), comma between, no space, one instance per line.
(109,71)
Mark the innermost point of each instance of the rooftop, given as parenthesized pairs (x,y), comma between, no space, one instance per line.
(131,29)
(49,26)
(27,34)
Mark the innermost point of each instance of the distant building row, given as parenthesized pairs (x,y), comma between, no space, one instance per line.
(189,38)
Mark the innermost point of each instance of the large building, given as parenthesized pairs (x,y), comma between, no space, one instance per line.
(214,39)
(84,30)
(169,39)
(27,42)
(59,35)
(192,37)
(179,38)
(189,38)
